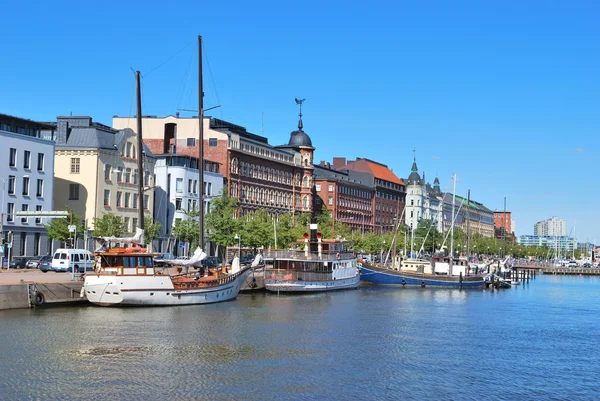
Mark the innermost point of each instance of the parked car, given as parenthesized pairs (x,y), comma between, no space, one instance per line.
(45,264)
(211,262)
(33,263)
(572,263)
(587,265)
(66,260)
(160,260)
(19,263)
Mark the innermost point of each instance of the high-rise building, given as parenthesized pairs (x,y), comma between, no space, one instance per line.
(552,227)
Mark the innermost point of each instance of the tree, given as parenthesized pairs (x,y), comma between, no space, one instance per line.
(221,224)
(58,229)
(109,225)
(257,230)
(151,230)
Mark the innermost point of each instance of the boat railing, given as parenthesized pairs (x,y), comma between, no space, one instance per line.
(302,255)
(216,281)
(294,275)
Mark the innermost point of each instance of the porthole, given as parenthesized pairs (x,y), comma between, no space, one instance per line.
(168,293)
(151,294)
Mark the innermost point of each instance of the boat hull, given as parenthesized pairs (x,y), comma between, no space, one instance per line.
(255,281)
(311,286)
(106,290)
(382,276)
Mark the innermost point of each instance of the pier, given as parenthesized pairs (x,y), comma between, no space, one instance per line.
(576,271)
(31,288)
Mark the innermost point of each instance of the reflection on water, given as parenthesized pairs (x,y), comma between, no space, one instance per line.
(533,341)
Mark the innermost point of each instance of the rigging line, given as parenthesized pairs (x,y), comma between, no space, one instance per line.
(212,78)
(183,85)
(169,59)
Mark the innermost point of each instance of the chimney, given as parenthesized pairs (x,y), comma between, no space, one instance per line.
(322,163)
(62,129)
(339,162)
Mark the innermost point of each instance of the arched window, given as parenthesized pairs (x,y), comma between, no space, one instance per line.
(261,198)
(234,165)
(305,202)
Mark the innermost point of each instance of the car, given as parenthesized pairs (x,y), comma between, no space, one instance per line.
(33,263)
(19,263)
(72,260)
(160,260)
(211,262)
(572,263)
(247,258)
(45,264)
(587,265)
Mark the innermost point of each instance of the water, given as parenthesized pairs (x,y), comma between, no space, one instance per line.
(536,341)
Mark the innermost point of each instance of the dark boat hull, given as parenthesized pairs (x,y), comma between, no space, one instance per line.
(383,276)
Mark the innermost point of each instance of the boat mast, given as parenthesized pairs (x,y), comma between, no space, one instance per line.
(140,152)
(468,224)
(200,144)
(452,225)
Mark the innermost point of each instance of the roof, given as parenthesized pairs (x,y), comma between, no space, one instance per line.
(382,172)
(25,120)
(343,176)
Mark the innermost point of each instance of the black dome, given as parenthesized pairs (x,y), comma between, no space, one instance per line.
(299,138)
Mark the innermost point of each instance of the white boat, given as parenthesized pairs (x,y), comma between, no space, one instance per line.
(127,276)
(323,265)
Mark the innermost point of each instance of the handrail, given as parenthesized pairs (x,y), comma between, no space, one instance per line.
(302,255)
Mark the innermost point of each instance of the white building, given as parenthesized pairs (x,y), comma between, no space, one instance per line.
(177,192)
(552,227)
(422,201)
(27,179)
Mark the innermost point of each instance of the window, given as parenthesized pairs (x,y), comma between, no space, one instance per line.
(128,151)
(126,225)
(107,197)
(23,243)
(213,142)
(178,203)
(190,186)
(75,164)
(305,202)
(318,187)
(73,191)
(119,175)
(40,162)
(26,186)
(179,185)
(134,224)
(12,160)
(330,200)
(40,188)
(107,172)
(189,205)
(24,208)
(209,189)
(36,244)
(11,184)
(330,188)
(38,220)
(191,142)
(127,198)
(119,193)
(146,197)
(195,186)
(146,177)
(127,175)
(11,211)
(26,159)
(135,176)
(135,201)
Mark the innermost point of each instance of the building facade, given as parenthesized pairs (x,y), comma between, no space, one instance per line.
(423,202)
(178,192)
(261,176)
(390,191)
(551,227)
(347,195)
(96,172)
(26,175)
(555,244)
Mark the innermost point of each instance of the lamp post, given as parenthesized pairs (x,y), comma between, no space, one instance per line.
(239,238)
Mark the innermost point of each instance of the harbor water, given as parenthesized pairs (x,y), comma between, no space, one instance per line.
(533,341)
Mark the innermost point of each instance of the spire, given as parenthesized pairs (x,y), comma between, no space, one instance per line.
(299,103)
(414,168)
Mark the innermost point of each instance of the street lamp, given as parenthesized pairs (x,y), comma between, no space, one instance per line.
(239,238)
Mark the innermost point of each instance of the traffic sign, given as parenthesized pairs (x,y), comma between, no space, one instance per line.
(181,244)
(72,229)
(9,245)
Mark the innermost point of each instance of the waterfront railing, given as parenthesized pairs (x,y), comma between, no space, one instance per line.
(302,255)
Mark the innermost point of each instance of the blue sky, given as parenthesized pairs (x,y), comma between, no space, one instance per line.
(504,93)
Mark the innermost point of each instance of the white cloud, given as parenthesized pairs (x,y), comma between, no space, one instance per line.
(435,157)
(580,150)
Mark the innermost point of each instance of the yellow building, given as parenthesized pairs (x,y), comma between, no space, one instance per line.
(96,172)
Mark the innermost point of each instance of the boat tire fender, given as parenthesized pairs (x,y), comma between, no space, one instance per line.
(39,298)
(403,282)
(423,284)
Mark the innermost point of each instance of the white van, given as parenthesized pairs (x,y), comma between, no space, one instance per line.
(68,260)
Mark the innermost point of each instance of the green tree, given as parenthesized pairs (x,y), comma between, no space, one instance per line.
(151,230)
(58,229)
(221,224)
(109,225)
(257,230)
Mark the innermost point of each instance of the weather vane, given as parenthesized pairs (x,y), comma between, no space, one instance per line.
(299,102)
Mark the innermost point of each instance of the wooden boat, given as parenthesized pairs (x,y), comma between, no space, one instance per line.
(127,276)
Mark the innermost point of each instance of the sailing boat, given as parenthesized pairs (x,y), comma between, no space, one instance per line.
(420,272)
(127,276)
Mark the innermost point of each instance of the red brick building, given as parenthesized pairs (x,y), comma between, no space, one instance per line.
(389,190)
(502,220)
(348,195)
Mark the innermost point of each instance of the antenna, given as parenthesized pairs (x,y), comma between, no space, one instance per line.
(262,121)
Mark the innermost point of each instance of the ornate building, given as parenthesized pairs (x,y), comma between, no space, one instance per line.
(422,200)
